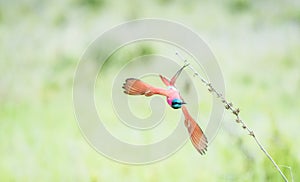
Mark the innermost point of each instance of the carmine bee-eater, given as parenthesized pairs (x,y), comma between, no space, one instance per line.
(135,86)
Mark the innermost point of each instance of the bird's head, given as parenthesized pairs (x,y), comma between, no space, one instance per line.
(177,103)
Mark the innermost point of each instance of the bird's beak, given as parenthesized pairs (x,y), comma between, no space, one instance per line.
(183,102)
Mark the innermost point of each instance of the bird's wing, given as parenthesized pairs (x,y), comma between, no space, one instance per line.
(197,136)
(174,78)
(133,86)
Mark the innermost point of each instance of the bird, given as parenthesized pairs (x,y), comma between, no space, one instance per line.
(134,86)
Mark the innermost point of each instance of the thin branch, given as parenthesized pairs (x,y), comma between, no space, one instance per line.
(235,111)
(290,169)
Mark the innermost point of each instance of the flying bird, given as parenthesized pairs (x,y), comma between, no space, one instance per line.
(133,86)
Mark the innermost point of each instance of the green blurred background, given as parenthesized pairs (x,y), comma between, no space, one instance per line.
(257,45)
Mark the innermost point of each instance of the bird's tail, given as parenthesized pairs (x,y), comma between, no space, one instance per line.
(135,86)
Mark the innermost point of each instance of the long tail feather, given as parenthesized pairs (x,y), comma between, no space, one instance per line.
(165,80)
(174,78)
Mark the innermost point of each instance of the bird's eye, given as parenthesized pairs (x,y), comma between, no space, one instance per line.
(176,103)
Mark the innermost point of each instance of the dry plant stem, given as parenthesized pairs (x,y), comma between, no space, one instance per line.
(235,111)
(290,169)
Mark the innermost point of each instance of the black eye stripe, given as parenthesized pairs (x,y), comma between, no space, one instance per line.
(176,102)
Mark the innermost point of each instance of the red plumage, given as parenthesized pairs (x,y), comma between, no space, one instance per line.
(133,86)
(198,139)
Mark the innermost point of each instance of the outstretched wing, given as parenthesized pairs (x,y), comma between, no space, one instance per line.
(135,86)
(197,136)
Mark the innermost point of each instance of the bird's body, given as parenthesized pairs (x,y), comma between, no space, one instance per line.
(135,86)
(173,94)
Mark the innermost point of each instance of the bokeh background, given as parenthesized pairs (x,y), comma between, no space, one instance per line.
(255,42)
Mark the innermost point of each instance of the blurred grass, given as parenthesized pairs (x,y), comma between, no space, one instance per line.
(257,46)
